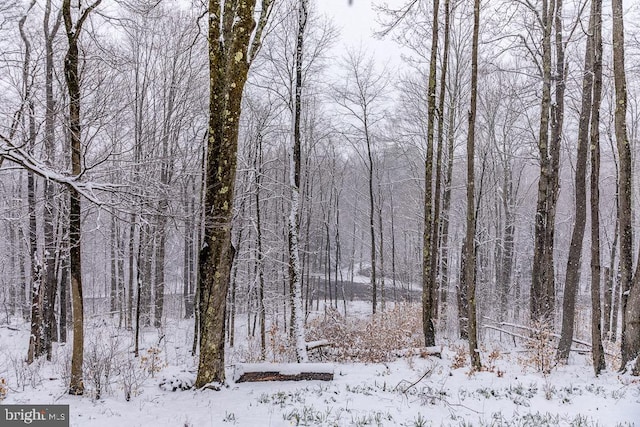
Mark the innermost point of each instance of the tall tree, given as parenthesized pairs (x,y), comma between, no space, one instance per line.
(630,345)
(542,274)
(36,339)
(295,269)
(360,97)
(597,352)
(49,226)
(72,78)
(436,241)
(574,261)
(470,236)
(234,39)
(429,307)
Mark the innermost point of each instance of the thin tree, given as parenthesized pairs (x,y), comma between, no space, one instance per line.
(360,97)
(470,258)
(429,307)
(630,345)
(597,352)
(435,227)
(295,269)
(36,339)
(542,274)
(72,77)
(574,261)
(50,252)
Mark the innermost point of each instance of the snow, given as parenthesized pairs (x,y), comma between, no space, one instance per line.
(282,368)
(410,391)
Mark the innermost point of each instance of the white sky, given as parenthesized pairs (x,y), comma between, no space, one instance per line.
(357,23)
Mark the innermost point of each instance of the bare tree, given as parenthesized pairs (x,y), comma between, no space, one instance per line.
(470,236)
(542,275)
(72,77)
(597,352)
(574,261)
(295,270)
(360,97)
(430,235)
(234,39)
(630,345)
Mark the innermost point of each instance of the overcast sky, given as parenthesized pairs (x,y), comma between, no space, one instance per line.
(357,23)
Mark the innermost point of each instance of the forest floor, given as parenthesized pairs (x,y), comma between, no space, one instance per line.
(405,390)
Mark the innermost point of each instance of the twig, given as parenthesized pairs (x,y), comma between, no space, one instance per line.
(428,373)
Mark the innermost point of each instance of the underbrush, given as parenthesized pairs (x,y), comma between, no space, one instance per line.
(377,338)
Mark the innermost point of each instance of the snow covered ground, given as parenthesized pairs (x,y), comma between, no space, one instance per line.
(411,391)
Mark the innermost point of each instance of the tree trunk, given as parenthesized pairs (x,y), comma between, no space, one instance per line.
(574,262)
(50,252)
(161,238)
(597,350)
(542,280)
(435,227)
(462,294)
(113,249)
(295,271)
(64,276)
(36,340)
(428,285)
(72,77)
(381,246)
(187,262)
(144,264)
(446,198)
(231,50)
(132,263)
(470,266)
(260,254)
(630,345)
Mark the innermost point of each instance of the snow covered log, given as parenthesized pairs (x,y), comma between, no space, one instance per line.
(311,345)
(423,352)
(253,372)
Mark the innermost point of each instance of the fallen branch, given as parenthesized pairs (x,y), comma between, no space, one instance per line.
(513,334)
(426,374)
(312,345)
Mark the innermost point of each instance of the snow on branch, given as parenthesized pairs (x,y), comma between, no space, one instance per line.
(19,156)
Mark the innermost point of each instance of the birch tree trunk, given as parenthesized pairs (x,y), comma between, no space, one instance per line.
(295,270)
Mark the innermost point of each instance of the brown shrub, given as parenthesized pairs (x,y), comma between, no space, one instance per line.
(377,338)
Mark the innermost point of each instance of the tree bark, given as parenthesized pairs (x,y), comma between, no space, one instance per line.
(542,274)
(295,270)
(630,345)
(49,226)
(428,284)
(470,267)
(231,50)
(436,240)
(597,350)
(574,261)
(72,78)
